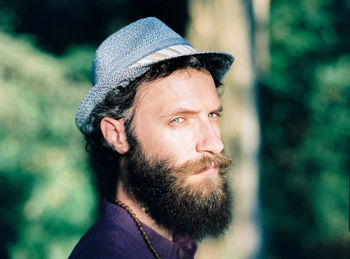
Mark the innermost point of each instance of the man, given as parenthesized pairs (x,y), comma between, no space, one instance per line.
(151,126)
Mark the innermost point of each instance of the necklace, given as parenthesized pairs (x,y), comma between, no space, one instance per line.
(140,227)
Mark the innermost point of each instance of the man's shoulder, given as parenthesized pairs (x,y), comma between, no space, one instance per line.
(96,252)
(106,240)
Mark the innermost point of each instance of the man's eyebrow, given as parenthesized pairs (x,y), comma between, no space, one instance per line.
(188,111)
(180,111)
(219,110)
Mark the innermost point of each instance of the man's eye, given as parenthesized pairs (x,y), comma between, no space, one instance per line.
(177,120)
(213,115)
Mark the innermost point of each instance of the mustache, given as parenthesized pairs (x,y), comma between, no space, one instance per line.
(220,161)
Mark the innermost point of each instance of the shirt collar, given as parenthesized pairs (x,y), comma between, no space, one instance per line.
(182,244)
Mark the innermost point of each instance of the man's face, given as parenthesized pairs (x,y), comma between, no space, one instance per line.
(176,117)
(175,169)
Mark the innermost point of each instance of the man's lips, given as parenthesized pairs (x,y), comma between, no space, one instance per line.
(209,171)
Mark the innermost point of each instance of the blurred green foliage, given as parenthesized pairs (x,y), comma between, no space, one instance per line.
(48,199)
(58,25)
(47,195)
(305,117)
(44,176)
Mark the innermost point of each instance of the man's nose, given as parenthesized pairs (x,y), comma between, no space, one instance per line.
(209,139)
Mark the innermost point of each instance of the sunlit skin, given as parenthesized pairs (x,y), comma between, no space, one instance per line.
(175,118)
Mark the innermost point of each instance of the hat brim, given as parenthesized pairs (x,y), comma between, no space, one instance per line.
(218,64)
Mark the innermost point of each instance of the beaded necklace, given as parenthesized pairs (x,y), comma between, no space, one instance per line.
(140,228)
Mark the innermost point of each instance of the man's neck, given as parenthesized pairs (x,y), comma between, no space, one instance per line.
(141,213)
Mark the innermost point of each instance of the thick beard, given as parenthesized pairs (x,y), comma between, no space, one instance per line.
(198,208)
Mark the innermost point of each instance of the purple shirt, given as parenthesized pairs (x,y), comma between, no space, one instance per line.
(115,235)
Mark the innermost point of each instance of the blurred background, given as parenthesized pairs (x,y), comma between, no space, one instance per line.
(286,120)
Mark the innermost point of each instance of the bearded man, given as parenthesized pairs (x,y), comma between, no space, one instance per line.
(151,126)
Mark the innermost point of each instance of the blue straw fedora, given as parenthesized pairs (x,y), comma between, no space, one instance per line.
(129,52)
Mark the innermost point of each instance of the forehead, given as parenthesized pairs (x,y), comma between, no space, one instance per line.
(186,88)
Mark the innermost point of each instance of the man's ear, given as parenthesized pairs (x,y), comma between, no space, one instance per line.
(114,132)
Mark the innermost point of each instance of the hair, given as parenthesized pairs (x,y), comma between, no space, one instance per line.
(117,104)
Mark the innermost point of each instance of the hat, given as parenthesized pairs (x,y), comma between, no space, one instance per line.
(129,52)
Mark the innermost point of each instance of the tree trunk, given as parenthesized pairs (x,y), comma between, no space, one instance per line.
(228,25)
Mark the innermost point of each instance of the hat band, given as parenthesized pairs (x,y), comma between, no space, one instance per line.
(169,52)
